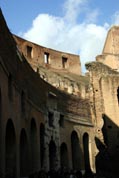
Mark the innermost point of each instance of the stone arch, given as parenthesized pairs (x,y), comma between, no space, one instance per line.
(86,152)
(24,154)
(34,145)
(64,160)
(76,151)
(10,150)
(52,155)
(42,132)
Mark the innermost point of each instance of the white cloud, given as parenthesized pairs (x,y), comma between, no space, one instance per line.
(66,34)
(45,30)
(73,8)
(115,18)
(94,37)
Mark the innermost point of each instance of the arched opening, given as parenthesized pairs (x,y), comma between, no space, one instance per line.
(86,152)
(24,154)
(10,150)
(42,132)
(34,146)
(64,161)
(76,151)
(52,155)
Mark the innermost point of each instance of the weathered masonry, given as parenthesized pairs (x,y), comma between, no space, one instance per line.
(41,56)
(52,117)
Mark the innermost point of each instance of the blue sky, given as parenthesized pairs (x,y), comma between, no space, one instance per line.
(76,26)
(20,14)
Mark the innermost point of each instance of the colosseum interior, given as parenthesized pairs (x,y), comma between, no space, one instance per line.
(51,116)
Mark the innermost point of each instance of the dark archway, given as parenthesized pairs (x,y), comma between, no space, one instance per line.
(34,146)
(86,152)
(42,132)
(64,161)
(24,154)
(10,150)
(52,155)
(76,151)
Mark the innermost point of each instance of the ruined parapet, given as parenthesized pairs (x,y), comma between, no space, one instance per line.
(97,72)
(48,58)
(104,95)
(104,98)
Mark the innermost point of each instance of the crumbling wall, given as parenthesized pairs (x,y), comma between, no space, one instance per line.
(104,84)
(49,58)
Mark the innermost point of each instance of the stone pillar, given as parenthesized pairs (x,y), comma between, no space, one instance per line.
(46,158)
(80,137)
(17,159)
(92,151)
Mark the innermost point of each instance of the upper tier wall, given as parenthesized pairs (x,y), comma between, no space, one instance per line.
(38,55)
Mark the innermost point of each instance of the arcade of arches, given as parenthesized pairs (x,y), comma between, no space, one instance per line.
(31,149)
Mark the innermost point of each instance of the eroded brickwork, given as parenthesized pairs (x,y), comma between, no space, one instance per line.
(41,56)
(104,86)
(110,54)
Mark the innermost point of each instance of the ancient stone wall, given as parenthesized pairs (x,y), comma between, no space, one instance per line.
(68,82)
(105,107)
(97,72)
(111,105)
(111,45)
(110,53)
(41,56)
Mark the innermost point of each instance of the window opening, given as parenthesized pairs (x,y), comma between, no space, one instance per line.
(51,118)
(64,62)
(46,58)
(29,51)
(61,120)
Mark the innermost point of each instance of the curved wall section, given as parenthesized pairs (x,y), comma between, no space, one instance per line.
(41,56)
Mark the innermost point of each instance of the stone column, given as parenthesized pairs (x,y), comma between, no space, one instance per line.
(17,159)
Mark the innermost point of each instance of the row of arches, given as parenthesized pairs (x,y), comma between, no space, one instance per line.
(77,154)
(28,154)
(28,151)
